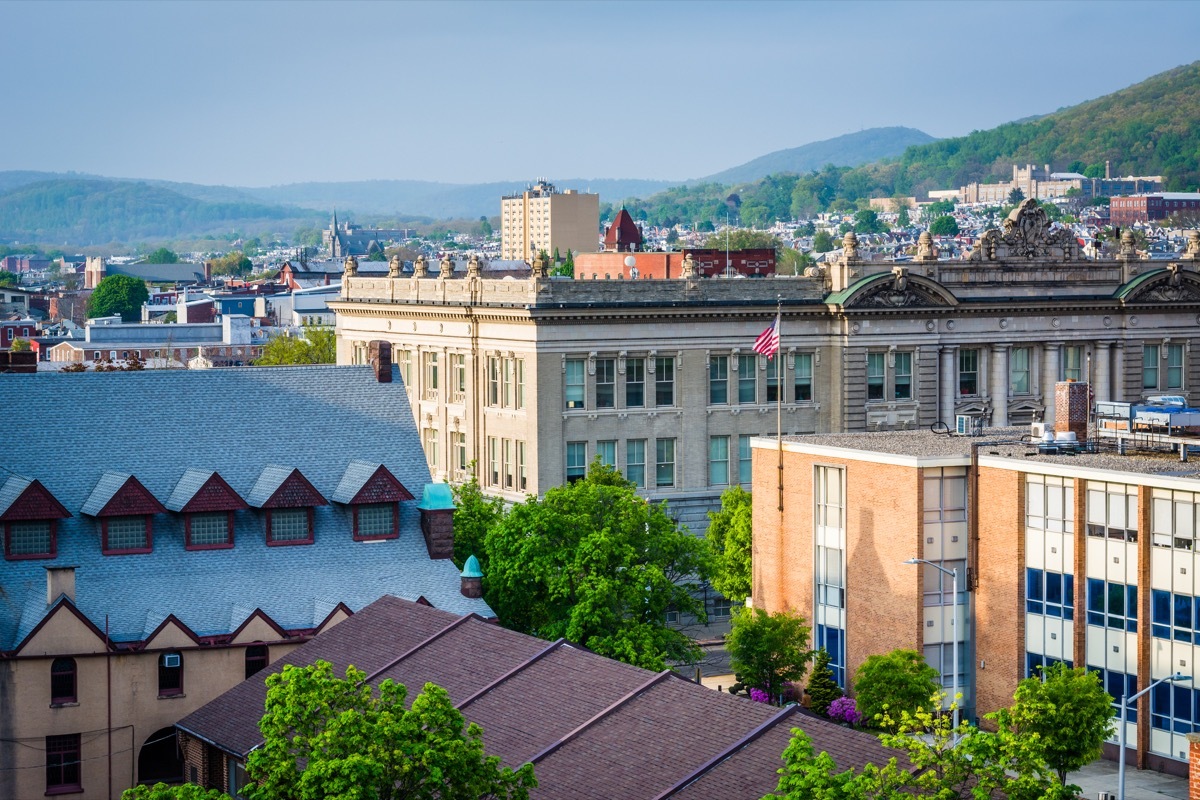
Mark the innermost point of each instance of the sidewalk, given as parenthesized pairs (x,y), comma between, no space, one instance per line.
(1140,784)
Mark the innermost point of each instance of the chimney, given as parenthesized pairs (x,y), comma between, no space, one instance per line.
(1071,408)
(1107,170)
(1193,766)
(379,353)
(472,578)
(437,519)
(60,580)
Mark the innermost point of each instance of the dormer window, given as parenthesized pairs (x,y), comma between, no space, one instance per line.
(125,509)
(29,515)
(287,500)
(208,504)
(374,494)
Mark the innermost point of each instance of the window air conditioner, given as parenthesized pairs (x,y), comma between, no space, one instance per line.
(967,425)
(170,660)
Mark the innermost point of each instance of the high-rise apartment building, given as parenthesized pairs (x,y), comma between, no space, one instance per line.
(543,218)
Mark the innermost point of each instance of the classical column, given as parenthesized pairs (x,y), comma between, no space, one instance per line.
(1118,393)
(1102,372)
(1049,378)
(999,385)
(948,382)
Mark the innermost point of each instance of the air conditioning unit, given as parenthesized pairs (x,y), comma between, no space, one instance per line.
(967,425)
(171,660)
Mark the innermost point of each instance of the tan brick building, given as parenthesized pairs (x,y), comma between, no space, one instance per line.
(543,218)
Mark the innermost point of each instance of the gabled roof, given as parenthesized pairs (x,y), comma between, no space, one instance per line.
(117,494)
(622,231)
(203,490)
(283,487)
(364,482)
(23,498)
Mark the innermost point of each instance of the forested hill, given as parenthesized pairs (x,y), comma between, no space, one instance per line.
(84,212)
(1151,128)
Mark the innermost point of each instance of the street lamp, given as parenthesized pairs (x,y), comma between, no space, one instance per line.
(1125,701)
(953,573)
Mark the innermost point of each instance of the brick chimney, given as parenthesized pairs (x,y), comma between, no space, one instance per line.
(60,580)
(437,520)
(472,578)
(1193,766)
(1071,405)
(379,353)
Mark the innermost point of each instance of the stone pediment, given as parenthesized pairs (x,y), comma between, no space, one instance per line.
(897,290)
(1026,235)
(1171,285)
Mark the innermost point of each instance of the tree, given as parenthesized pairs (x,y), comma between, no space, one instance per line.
(768,650)
(729,539)
(1016,196)
(330,737)
(742,239)
(672,236)
(485,228)
(19,345)
(596,564)
(118,294)
(807,229)
(162,256)
(903,219)
(235,263)
(944,226)
(822,686)
(896,682)
(474,516)
(318,345)
(183,791)
(822,241)
(868,221)
(1070,711)
(9,278)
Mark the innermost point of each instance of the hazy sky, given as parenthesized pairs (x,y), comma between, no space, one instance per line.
(253,94)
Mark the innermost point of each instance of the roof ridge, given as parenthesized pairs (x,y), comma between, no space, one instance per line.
(545,651)
(550,748)
(421,644)
(755,733)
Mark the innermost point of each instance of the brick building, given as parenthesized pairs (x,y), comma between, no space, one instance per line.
(1153,207)
(706,263)
(543,218)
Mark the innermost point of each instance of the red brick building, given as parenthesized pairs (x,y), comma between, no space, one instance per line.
(709,263)
(1150,207)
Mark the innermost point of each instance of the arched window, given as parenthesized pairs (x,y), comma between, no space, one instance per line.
(170,674)
(62,681)
(256,659)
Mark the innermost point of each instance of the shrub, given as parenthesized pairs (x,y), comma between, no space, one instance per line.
(845,710)
(822,688)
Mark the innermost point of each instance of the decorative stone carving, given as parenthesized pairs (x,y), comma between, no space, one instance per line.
(1128,248)
(446,267)
(1173,290)
(925,249)
(474,269)
(421,267)
(849,247)
(539,267)
(688,269)
(351,267)
(1192,250)
(394,267)
(1027,234)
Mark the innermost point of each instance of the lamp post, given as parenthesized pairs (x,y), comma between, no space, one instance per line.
(953,573)
(1125,701)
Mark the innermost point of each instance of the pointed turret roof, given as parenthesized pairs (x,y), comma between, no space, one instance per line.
(623,234)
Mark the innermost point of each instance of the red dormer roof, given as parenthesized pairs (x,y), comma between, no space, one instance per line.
(622,235)
(23,499)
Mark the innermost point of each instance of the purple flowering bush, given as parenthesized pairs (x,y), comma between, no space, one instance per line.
(844,710)
(759,696)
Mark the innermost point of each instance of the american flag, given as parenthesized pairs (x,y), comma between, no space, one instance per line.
(767,343)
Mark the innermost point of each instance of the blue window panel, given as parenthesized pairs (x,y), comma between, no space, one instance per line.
(1054,589)
(1034,607)
(1131,603)
(1183,611)
(1033,584)
(1068,597)
(1032,662)
(1160,607)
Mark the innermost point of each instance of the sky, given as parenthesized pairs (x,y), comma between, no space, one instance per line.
(269,93)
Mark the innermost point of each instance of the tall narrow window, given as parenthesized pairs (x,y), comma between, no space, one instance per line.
(62,681)
(509,464)
(747,379)
(968,372)
(606,451)
(431,376)
(635,462)
(718,460)
(520,381)
(903,377)
(1018,370)
(458,456)
(606,383)
(63,764)
(576,461)
(875,376)
(458,367)
(170,674)
(773,379)
(1150,366)
(493,381)
(744,458)
(664,381)
(1072,363)
(522,484)
(506,381)
(493,461)
(664,462)
(635,383)
(575,382)
(1174,366)
(430,437)
(718,380)
(803,368)
(256,659)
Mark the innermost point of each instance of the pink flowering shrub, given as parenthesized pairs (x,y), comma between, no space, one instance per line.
(844,710)
(759,696)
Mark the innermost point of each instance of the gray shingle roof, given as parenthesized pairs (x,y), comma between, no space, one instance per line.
(192,481)
(269,480)
(167,428)
(353,480)
(108,485)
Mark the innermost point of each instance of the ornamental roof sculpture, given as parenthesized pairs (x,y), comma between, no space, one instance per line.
(1026,235)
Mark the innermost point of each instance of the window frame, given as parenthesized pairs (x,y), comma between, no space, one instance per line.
(635,471)
(606,383)
(377,537)
(773,380)
(187,530)
(968,373)
(718,467)
(148,529)
(8,535)
(907,375)
(164,673)
(58,678)
(1071,364)
(718,380)
(606,451)
(1151,369)
(747,380)
(576,461)
(257,655)
(574,392)
(635,382)
(269,527)
(876,377)
(664,381)
(1020,377)
(802,380)
(661,463)
(62,746)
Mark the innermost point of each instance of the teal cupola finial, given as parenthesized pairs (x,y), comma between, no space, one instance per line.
(471,568)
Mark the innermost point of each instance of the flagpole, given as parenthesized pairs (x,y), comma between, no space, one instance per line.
(779,373)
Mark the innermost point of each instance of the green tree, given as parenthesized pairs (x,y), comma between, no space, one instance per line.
(867,221)
(822,241)
(903,219)
(768,650)
(742,239)
(595,563)
(1016,196)
(939,208)
(162,256)
(183,791)
(318,345)
(1070,711)
(729,538)
(807,229)
(19,345)
(329,737)
(672,236)
(474,515)
(897,682)
(944,226)
(235,264)
(485,227)
(9,278)
(118,294)
(822,685)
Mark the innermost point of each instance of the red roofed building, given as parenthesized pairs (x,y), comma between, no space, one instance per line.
(623,236)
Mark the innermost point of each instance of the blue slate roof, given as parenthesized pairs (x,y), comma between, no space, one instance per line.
(353,480)
(109,484)
(170,428)
(192,481)
(269,481)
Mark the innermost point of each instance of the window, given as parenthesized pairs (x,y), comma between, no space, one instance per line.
(803,368)
(575,382)
(941,658)
(1035,663)
(289,526)
(664,381)
(1111,605)
(606,451)
(493,381)
(1049,503)
(429,438)
(506,384)
(747,387)
(431,375)
(635,382)
(458,454)
(833,641)
(29,539)
(1119,684)
(830,585)
(1174,708)
(63,764)
(519,365)
(62,681)
(1150,366)
(664,462)
(458,377)
(635,462)
(170,674)
(507,464)
(720,607)
(875,376)
(256,659)
(1174,366)
(576,461)
(968,372)
(494,461)
(1173,519)
(718,380)
(1018,370)
(1072,363)
(903,377)
(1050,593)
(773,379)
(718,460)
(376,521)
(521,482)
(1174,616)
(209,530)
(744,458)
(606,383)
(939,587)
(1112,511)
